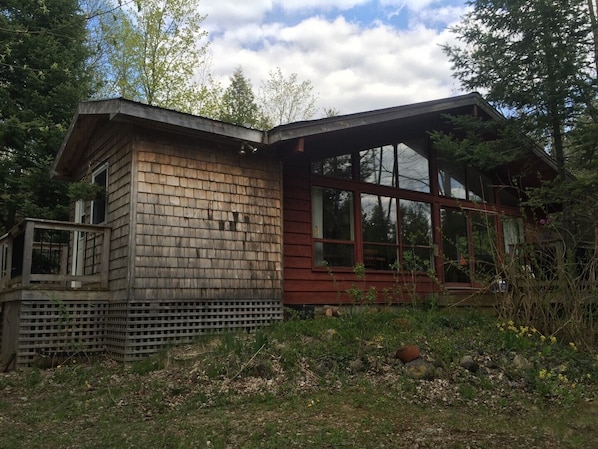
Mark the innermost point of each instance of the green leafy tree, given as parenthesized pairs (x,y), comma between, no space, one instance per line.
(42,78)
(155,53)
(532,61)
(285,99)
(238,102)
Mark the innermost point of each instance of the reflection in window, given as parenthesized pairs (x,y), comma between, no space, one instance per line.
(483,239)
(451,179)
(455,245)
(336,166)
(480,187)
(414,172)
(416,235)
(379,229)
(332,219)
(469,245)
(377,166)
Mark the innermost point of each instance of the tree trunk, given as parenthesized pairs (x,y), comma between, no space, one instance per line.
(594,22)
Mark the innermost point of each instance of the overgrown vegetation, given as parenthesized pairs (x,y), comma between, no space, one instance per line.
(326,382)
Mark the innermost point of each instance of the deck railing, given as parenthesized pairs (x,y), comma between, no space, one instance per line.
(54,253)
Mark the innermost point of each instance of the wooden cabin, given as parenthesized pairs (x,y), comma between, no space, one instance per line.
(195,226)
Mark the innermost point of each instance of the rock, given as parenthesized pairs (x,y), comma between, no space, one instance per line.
(330,311)
(356,365)
(469,364)
(521,363)
(407,353)
(419,369)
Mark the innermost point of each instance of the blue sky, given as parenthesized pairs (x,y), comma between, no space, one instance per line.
(359,54)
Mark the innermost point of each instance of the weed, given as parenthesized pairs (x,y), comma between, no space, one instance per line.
(149,364)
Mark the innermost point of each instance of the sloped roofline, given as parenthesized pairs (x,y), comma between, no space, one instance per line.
(340,122)
(119,109)
(308,128)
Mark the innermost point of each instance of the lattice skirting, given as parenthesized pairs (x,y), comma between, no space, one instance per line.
(52,329)
(45,328)
(141,328)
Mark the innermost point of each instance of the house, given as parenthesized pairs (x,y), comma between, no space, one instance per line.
(201,226)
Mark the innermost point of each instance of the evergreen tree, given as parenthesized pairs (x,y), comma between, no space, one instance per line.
(42,78)
(533,60)
(238,104)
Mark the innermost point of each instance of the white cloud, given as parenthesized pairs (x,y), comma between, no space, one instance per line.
(352,67)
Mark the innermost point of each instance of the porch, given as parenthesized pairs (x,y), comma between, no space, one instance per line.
(54,295)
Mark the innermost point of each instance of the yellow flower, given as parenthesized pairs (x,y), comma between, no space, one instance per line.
(542,337)
(542,374)
(553,339)
(573,346)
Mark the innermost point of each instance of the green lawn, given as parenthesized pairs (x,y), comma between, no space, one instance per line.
(324,383)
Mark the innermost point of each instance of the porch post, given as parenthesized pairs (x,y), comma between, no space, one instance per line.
(28,252)
(105,261)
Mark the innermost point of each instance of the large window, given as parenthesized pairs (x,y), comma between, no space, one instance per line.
(404,165)
(376,206)
(455,180)
(379,230)
(468,245)
(414,171)
(377,166)
(416,236)
(333,227)
(389,238)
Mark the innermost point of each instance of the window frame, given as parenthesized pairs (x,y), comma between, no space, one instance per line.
(100,206)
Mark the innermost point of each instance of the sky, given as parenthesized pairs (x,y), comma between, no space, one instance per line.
(359,55)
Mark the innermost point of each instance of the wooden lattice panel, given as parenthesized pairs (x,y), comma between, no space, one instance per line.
(48,328)
(154,325)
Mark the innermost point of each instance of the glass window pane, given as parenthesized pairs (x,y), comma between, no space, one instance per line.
(512,229)
(416,223)
(332,214)
(414,172)
(483,228)
(451,179)
(377,166)
(379,218)
(334,254)
(336,166)
(417,259)
(379,257)
(480,187)
(455,246)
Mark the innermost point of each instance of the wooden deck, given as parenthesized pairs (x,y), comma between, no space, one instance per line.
(54,295)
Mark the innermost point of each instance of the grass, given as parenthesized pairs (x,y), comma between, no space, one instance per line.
(318,383)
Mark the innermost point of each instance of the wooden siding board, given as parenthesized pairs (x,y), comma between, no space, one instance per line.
(212,224)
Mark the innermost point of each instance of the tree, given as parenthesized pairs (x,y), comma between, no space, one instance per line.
(238,104)
(532,60)
(285,99)
(536,61)
(42,78)
(154,54)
